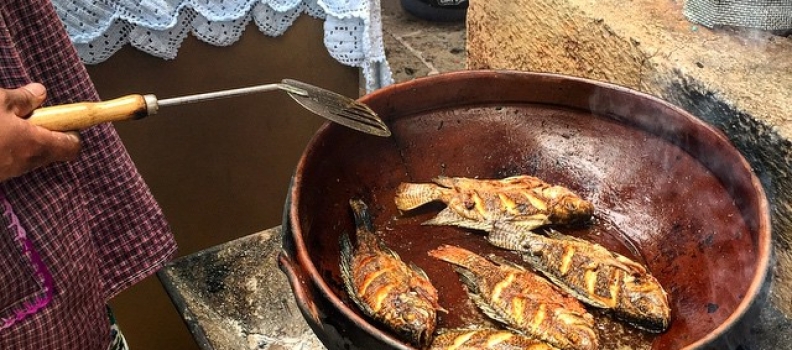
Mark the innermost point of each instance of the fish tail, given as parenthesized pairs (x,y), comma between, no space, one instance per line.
(458,256)
(411,195)
(362,215)
(346,262)
(366,239)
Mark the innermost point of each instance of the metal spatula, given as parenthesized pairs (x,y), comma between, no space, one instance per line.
(328,104)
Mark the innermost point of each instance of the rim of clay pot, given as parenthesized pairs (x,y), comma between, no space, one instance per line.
(763,242)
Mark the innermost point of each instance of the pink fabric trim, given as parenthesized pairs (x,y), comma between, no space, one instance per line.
(41,271)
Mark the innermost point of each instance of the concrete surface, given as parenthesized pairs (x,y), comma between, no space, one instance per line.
(644,46)
(233,296)
(417,48)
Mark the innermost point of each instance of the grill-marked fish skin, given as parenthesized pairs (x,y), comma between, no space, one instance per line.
(522,300)
(397,294)
(524,201)
(486,339)
(593,274)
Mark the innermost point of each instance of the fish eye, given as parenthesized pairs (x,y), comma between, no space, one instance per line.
(469,204)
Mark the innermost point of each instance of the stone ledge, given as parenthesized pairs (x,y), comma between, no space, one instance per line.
(645,46)
(741,82)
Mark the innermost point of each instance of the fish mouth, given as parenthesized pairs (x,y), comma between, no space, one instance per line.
(424,336)
(649,323)
(419,334)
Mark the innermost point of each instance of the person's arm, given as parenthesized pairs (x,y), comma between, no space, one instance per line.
(23,146)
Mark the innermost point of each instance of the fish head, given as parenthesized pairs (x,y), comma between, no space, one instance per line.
(572,209)
(576,331)
(416,318)
(645,304)
(469,206)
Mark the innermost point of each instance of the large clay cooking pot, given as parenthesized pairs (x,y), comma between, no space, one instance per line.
(669,191)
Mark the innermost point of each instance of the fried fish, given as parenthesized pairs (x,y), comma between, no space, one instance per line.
(523,201)
(486,339)
(397,294)
(592,274)
(522,300)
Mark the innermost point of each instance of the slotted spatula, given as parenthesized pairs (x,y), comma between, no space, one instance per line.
(328,104)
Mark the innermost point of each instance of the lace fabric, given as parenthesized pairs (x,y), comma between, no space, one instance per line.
(99,28)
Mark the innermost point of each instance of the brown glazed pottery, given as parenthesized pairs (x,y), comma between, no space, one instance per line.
(670,192)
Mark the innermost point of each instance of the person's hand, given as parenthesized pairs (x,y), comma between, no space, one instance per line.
(24,146)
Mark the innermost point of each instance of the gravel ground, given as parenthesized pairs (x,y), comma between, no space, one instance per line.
(416,48)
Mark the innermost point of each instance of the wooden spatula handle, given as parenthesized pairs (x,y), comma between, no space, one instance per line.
(82,115)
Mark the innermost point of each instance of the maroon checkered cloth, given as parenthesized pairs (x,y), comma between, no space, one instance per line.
(93,222)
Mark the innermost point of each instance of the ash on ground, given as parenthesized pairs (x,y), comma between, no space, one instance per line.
(239,299)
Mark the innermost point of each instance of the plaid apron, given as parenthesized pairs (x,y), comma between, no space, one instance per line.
(72,235)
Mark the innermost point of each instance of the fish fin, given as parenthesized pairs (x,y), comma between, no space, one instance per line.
(347,276)
(384,248)
(503,262)
(362,215)
(413,195)
(551,233)
(508,236)
(442,331)
(503,236)
(346,259)
(526,242)
(475,225)
(418,270)
(448,216)
(522,226)
(420,273)
(477,327)
(531,222)
(617,260)
(469,327)
(629,265)
(468,278)
(445,181)
(524,333)
(533,259)
(487,309)
(456,256)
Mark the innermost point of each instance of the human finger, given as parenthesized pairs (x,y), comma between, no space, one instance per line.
(57,146)
(22,101)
